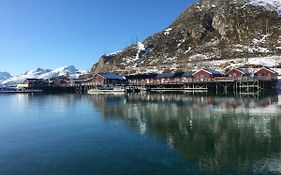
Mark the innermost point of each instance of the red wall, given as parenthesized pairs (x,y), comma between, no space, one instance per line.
(97,79)
(266,73)
(234,73)
(202,76)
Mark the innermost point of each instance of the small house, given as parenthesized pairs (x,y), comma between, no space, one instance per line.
(108,79)
(266,72)
(35,83)
(167,78)
(141,79)
(206,75)
(238,73)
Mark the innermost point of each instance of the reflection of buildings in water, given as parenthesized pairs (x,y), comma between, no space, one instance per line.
(217,133)
(271,164)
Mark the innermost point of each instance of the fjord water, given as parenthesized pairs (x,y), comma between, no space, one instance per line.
(139,134)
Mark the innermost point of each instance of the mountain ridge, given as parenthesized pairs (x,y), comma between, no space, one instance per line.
(68,71)
(205,32)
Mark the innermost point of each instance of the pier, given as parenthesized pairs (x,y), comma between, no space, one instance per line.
(236,81)
(252,85)
(243,86)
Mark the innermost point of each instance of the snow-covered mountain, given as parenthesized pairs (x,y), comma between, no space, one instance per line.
(4,76)
(68,71)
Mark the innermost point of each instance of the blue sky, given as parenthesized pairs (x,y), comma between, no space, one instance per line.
(55,33)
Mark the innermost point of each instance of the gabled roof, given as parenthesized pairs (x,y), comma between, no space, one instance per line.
(242,70)
(209,71)
(112,76)
(267,68)
(214,72)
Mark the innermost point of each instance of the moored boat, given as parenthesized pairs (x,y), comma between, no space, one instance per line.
(107,91)
(16,91)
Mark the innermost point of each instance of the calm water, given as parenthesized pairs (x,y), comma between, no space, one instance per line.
(139,134)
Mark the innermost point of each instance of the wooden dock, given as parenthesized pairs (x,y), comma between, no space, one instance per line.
(224,86)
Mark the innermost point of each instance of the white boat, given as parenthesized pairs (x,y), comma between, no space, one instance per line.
(107,91)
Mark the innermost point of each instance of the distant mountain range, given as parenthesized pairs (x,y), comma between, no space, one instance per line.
(69,71)
(4,76)
(210,33)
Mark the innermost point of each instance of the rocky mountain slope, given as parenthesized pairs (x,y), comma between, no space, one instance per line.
(219,31)
(68,71)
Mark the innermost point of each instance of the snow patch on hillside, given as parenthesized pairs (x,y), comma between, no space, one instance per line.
(167,31)
(265,61)
(272,5)
(113,54)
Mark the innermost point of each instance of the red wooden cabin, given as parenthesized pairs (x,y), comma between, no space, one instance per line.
(108,79)
(238,73)
(266,72)
(206,75)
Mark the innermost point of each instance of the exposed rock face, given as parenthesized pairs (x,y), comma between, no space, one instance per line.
(206,31)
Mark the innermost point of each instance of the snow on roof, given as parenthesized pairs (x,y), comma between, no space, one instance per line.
(112,76)
(267,68)
(214,72)
(244,71)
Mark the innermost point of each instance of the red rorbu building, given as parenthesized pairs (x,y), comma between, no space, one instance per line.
(266,72)
(238,73)
(107,79)
(206,75)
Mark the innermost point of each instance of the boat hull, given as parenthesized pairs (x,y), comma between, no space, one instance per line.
(106,91)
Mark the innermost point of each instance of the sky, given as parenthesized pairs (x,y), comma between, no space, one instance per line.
(55,33)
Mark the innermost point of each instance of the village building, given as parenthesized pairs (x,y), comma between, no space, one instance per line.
(266,72)
(141,79)
(107,79)
(238,73)
(169,77)
(206,75)
(33,83)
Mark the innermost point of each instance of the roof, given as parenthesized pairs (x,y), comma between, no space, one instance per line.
(165,75)
(78,80)
(170,75)
(209,71)
(112,76)
(188,74)
(36,80)
(141,76)
(242,70)
(268,70)
(214,72)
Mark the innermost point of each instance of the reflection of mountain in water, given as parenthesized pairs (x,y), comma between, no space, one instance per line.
(216,133)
